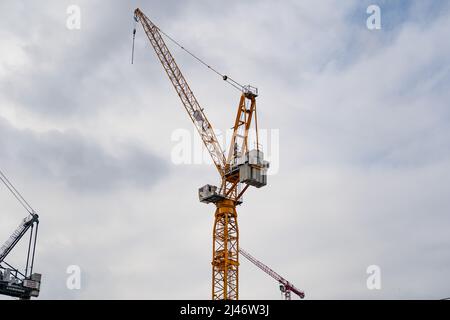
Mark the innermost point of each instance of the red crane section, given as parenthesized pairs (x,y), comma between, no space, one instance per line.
(285,286)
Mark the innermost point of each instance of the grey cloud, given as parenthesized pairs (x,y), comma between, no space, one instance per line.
(74,72)
(364,163)
(77,161)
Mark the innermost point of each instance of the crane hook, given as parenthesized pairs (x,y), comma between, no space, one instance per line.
(134,37)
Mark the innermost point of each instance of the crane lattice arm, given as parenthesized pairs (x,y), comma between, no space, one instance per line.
(184,91)
(285,286)
(23,227)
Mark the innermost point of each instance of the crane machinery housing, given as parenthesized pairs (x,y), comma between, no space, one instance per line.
(13,282)
(238,170)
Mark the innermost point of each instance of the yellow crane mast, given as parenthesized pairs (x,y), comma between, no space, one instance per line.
(241,166)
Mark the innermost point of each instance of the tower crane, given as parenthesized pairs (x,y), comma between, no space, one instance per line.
(285,286)
(13,282)
(238,170)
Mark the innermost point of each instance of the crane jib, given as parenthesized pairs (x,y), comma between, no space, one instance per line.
(183,90)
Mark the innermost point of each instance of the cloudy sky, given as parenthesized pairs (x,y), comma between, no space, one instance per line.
(363,152)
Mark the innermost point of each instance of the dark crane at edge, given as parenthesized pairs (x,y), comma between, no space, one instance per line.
(13,282)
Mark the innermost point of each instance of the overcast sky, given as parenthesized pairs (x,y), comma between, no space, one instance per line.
(363,164)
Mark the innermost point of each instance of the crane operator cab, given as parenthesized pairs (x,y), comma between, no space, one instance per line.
(12,285)
(251,169)
(208,194)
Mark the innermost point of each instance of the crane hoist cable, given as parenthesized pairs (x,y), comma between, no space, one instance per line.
(224,77)
(134,38)
(16,193)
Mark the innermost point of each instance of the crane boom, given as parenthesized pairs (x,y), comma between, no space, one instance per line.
(23,227)
(285,286)
(185,93)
